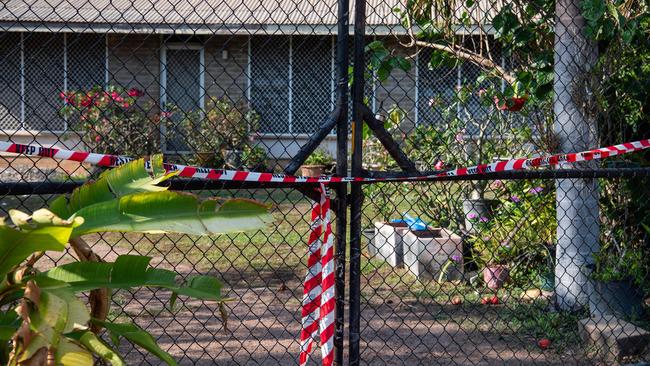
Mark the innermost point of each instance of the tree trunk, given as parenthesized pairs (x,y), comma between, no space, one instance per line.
(577,199)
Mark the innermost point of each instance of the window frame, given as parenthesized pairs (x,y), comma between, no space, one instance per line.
(249,84)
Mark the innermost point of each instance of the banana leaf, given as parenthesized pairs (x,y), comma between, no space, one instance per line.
(133,177)
(137,336)
(172,212)
(50,313)
(16,245)
(126,272)
(9,324)
(89,340)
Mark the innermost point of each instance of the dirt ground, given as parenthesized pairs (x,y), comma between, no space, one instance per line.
(264,322)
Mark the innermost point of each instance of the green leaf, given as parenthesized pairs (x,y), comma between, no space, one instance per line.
(71,354)
(383,72)
(126,272)
(55,311)
(375,45)
(17,245)
(89,340)
(172,212)
(403,64)
(137,336)
(132,177)
(9,324)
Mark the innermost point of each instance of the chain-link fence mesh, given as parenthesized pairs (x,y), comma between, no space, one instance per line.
(545,268)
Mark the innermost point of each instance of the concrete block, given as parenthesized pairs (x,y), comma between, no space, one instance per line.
(387,243)
(427,251)
(614,338)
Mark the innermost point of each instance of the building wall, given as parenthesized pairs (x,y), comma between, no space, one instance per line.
(134,62)
(226,76)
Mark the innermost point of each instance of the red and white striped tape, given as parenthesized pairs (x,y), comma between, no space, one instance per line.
(236,175)
(318,301)
(319,298)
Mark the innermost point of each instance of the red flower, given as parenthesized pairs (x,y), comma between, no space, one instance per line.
(517,104)
(126,105)
(117,97)
(98,138)
(544,343)
(86,101)
(135,92)
(68,98)
(514,104)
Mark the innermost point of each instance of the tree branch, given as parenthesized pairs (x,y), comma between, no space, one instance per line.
(472,57)
(99,298)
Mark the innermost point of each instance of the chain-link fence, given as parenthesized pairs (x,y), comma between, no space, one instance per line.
(547,266)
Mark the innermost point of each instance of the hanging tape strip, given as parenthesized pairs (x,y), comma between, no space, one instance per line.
(186,171)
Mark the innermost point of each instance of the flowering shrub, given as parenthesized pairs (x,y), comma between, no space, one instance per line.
(223,124)
(522,231)
(113,120)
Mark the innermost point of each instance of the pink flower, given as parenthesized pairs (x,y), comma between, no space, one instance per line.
(440,165)
(472,216)
(126,105)
(166,114)
(497,184)
(481,92)
(98,138)
(135,92)
(117,97)
(460,136)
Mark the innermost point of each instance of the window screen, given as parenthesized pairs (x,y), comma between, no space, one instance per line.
(270,82)
(312,82)
(86,61)
(10,103)
(43,81)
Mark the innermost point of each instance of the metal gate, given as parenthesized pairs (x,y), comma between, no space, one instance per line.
(532,266)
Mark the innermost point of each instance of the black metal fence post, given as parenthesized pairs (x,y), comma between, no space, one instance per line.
(356,192)
(342,60)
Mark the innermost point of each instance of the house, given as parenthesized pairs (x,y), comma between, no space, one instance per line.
(276,55)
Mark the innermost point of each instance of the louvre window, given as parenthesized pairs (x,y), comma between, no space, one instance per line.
(10,82)
(291,82)
(37,67)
